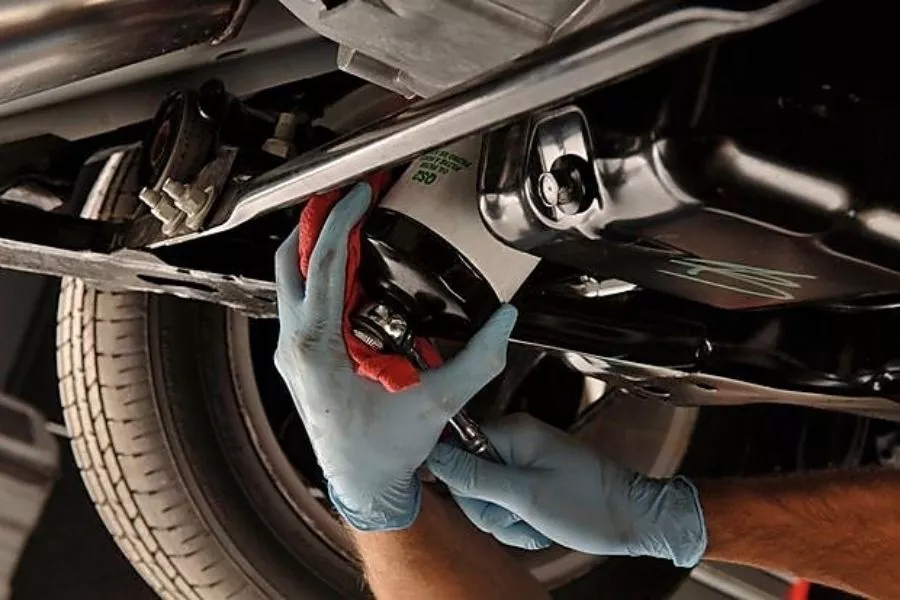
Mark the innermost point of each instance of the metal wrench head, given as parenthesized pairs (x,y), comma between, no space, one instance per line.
(384,329)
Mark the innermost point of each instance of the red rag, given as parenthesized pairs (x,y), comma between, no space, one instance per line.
(396,373)
(799,590)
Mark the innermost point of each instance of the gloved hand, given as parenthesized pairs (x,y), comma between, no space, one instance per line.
(555,489)
(369,442)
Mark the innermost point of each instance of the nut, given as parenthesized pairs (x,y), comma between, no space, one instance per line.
(189,200)
(173,226)
(549,188)
(278,148)
(163,208)
(281,144)
(565,189)
(150,197)
(186,197)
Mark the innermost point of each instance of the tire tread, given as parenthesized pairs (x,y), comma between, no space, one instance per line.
(119,447)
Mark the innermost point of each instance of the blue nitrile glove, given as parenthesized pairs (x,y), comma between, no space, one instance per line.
(555,489)
(369,442)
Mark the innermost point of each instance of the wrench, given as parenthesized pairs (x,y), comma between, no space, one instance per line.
(384,329)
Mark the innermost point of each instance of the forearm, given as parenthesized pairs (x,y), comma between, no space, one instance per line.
(442,556)
(839,528)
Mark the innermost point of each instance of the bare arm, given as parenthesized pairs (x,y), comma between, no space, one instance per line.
(443,557)
(839,528)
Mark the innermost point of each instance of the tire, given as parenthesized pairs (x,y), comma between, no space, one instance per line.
(152,389)
(138,399)
(120,448)
(119,444)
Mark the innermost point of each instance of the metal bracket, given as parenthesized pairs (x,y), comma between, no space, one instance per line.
(681,388)
(141,272)
(62,245)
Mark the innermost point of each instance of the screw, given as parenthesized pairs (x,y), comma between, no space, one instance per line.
(557,190)
(281,144)
(172,227)
(150,197)
(285,126)
(191,201)
(589,287)
(378,326)
(163,208)
(392,323)
(563,188)
(186,197)
(549,188)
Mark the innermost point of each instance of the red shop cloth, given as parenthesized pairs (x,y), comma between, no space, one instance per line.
(396,373)
(799,590)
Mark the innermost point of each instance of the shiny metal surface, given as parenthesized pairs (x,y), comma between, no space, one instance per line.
(446,207)
(585,286)
(453,41)
(136,271)
(473,438)
(572,65)
(680,388)
(139,271)
(742,167)
(629,188)
(272,49)
(695,215)
(49,43)
(386,330)
(84,253)
(567,184)
(388,322)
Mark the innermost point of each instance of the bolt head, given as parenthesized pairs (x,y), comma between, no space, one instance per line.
(564,188)
(191,202)
(187,198)
(385,320)
(173,226)
(149,196)
(572,190)
(173,188)
(549,189)
(279,148)
(559,191)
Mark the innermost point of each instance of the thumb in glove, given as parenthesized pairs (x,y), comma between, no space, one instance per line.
(555,489)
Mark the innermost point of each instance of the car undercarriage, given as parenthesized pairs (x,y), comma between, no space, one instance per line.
(691,205)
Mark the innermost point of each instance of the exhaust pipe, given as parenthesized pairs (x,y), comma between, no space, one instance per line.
(48,43)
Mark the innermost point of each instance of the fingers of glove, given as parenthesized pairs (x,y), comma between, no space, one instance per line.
(288,282)
(525,441)
(486,516)
(483,358)
(477,478)
(522,535)
(327,273)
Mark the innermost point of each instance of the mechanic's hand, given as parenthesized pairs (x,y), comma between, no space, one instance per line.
(555,489)
(369,442)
